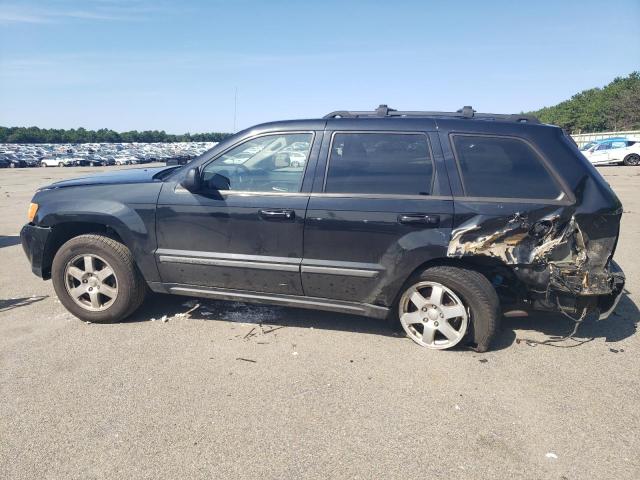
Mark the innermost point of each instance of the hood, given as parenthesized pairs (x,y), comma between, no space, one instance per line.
(132,175)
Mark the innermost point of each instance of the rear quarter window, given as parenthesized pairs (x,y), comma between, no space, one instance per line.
(502,167)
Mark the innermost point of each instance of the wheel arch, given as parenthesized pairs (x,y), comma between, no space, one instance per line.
(486,266)
(64,231)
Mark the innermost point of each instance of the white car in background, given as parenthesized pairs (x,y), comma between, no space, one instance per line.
(125,160)
(58,162)
(617,151)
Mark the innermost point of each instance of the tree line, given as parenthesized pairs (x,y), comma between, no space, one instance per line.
(615,107)
(104,135)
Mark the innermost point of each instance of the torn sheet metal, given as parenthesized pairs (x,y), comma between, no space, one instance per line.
(554,243)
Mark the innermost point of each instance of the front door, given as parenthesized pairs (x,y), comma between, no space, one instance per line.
(243,229)
(600,153)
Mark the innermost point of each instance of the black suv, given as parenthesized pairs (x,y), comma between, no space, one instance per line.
(438,221)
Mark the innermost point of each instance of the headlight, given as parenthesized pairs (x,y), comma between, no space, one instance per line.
(33,209)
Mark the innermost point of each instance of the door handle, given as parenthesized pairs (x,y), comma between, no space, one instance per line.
(277,214)
(419,219)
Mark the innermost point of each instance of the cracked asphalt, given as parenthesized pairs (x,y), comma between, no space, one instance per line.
(239,391)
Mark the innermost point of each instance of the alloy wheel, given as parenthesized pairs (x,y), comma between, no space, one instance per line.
(91,282)
(433,316)
(633,160)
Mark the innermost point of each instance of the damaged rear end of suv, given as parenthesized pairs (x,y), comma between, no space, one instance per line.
(546,234)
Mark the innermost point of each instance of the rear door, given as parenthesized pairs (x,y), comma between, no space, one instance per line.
(380,206)
(619,149)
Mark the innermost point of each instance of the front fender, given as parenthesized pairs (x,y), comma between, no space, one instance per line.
(133,223)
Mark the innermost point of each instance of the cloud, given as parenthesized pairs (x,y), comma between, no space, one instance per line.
(96,10)
(9,14)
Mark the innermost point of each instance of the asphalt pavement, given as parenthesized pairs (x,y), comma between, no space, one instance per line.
(238,391)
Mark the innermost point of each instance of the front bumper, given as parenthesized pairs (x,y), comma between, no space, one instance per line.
(34,243)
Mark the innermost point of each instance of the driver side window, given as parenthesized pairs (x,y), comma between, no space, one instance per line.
(269,163)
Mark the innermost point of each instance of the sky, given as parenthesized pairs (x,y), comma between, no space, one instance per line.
(176,66)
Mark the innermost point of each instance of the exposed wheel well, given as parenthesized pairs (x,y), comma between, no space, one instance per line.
(63,232)
(494,270)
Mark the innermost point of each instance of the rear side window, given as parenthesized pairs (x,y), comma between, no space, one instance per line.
(502,167)
(379,163)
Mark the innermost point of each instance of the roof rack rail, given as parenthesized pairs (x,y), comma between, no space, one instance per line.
(383,111)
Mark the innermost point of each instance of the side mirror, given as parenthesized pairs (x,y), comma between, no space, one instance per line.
(191,181)
(219,182)
(282,160)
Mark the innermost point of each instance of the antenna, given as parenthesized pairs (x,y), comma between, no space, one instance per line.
(235,109)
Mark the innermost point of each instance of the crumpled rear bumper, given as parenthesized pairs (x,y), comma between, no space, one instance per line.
(34,242)
(608,303)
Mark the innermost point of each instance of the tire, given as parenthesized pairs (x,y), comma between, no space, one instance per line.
(632,160)
(464,289)
(125,281)
(61,164)
(12,165)
(43,165)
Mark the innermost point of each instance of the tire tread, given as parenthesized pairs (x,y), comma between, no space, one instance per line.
(136,286)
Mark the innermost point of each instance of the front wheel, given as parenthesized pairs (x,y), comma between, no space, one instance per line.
(61,164)
(446,306)
(632,160)
(96,279)
(44,165)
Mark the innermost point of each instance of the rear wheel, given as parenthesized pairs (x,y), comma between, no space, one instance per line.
(42,164)
(446,306)
(96,279)
(61,164)
(632,160)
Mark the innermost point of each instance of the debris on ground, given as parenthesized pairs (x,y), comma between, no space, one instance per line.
(265,332)
(483,360)
(615,350)
(164,319)
(246,360)
(250,333)
(551,455)
(186,314)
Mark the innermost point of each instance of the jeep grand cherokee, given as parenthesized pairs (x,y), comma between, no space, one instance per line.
(438,221)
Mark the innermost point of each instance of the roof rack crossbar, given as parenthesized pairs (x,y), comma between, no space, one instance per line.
(383,111)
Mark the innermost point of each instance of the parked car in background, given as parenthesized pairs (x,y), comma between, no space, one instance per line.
(588,145)
(125,160)
(58,161)
(614,151)
(12,161)
(95,154)
(179,160)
